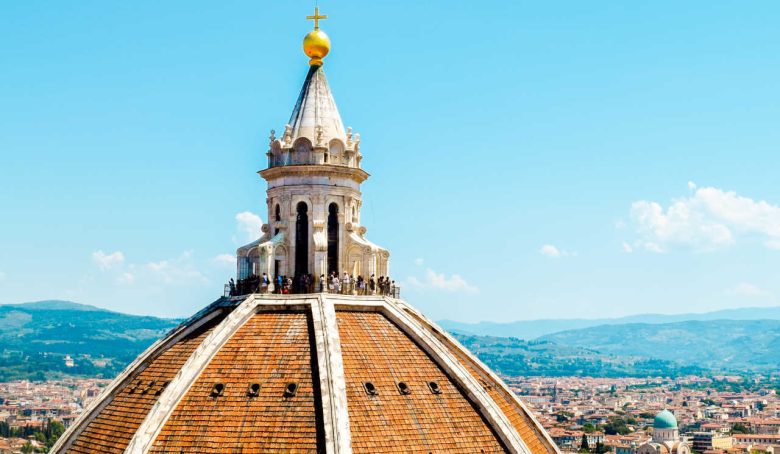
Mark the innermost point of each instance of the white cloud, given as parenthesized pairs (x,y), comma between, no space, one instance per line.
(691,185)
(225,259)
(748,290)
(710,218)
(108,261)
(249,224)
(419,261)
(550,251)
(627,248)
(2,276)
(180,270)
(126,278)
(452,283)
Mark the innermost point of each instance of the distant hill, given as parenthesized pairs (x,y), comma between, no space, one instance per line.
(514,357)
(54,305)
(36,337)
(531,329)
(729,345)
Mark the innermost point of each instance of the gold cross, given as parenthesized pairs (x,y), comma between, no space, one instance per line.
(316,17)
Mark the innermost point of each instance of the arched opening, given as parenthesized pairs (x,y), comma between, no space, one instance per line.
(335,150)
(277,218)
(302,151)
(302,240)
(333,238)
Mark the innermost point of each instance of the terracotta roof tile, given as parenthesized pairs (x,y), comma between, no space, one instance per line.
(519,419)
(522,422)
(377,351)
(272,349)
(112,429)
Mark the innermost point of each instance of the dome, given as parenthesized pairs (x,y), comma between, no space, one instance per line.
(307,373)
(665,420)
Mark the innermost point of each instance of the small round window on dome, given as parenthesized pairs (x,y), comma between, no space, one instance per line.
(434,387)
(290,390)
(403,388)
(370,388)
(253,390)
(217,390)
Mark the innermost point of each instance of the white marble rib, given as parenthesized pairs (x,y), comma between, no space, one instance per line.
(130,372)
(482,368)
(455,370)
(333,388)
(146,434)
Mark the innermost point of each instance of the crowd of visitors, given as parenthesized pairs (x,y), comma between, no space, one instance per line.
(349,285)
(305,283)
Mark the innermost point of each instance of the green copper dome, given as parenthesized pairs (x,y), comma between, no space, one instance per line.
(665,420)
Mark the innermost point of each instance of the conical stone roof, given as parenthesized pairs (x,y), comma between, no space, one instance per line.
(307,373)
(316,108)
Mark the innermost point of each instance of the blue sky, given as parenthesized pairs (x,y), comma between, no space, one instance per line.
(528,159)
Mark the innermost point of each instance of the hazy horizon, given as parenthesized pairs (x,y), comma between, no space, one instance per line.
(643,314)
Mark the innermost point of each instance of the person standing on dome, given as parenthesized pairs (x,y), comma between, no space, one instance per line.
(264,283)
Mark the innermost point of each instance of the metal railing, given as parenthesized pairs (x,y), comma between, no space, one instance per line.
(254,285)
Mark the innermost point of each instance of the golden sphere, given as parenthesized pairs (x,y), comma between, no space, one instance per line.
(316,45)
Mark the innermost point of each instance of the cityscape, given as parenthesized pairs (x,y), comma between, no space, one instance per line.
(716,415)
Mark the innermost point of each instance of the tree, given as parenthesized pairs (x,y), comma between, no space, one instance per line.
(616,425)
(584,444)
(740,428)
(588,428)
(55,429)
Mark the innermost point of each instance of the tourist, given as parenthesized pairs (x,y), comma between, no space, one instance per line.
(322,283)
(372,285)
(361,285)
(264,283)
(336,283)
(345,284)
